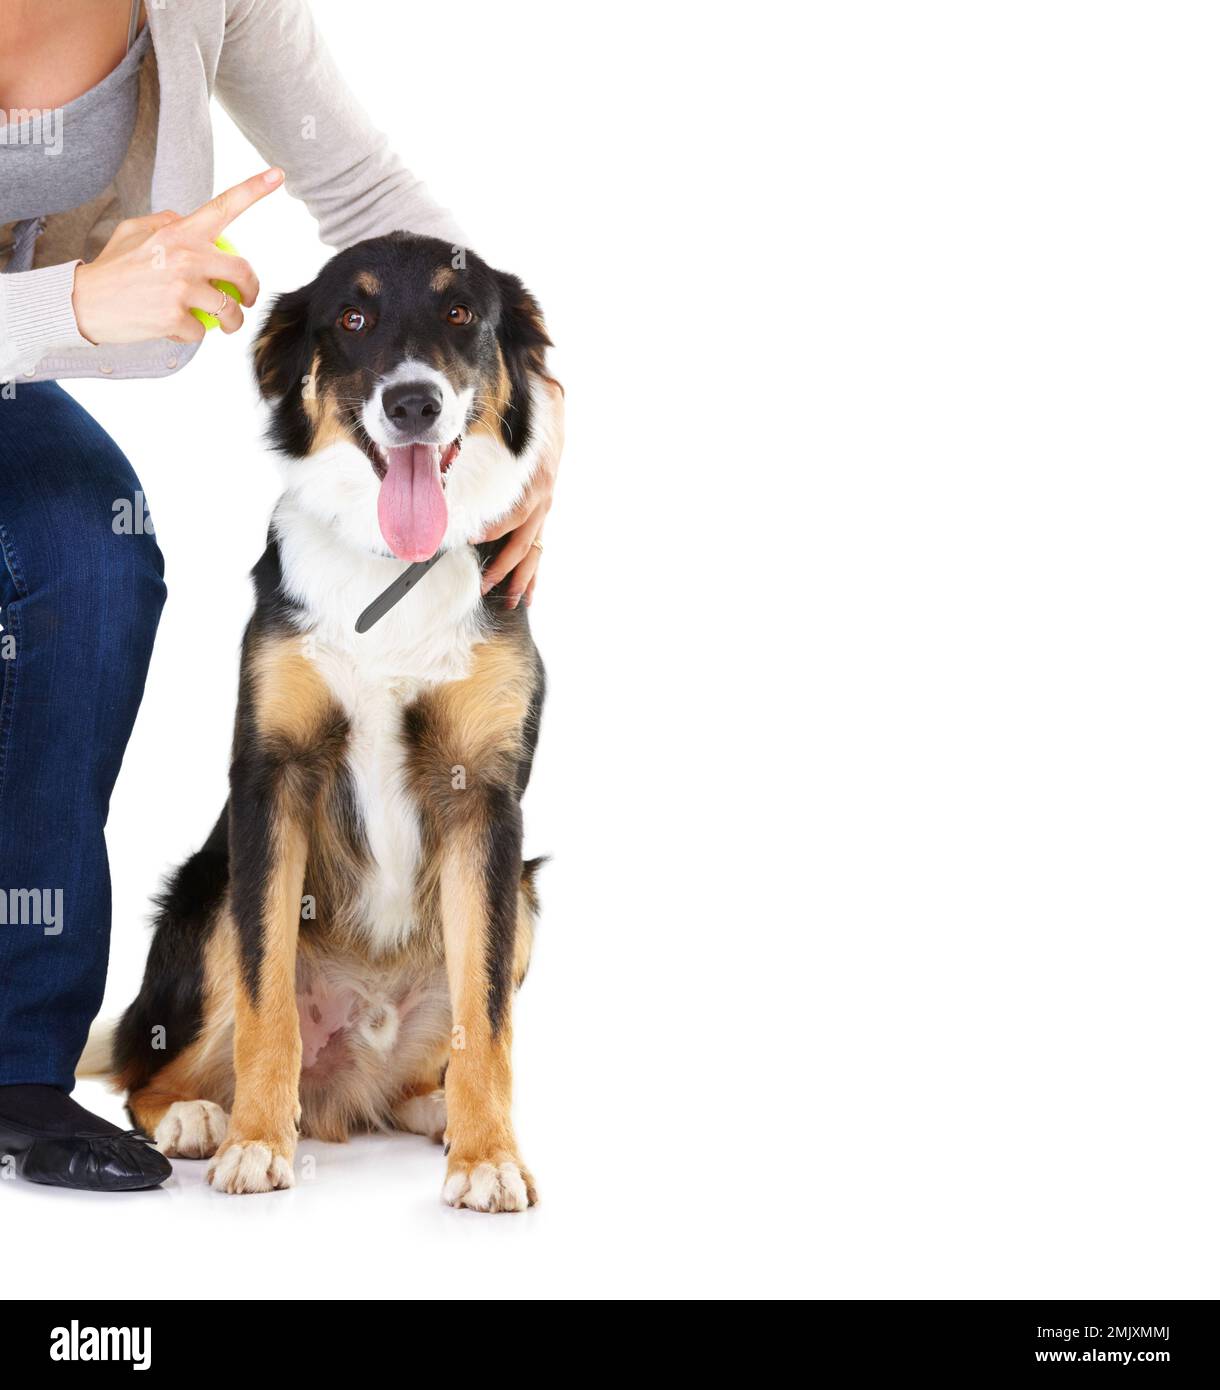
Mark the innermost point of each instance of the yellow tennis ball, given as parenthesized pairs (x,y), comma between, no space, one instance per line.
(210,321)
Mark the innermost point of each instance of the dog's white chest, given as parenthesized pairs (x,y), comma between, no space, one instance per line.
(425,640)
(376,762)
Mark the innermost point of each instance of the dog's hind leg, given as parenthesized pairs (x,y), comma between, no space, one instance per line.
(419,1107)
(169,1108)
(179,1127)
(421,1110)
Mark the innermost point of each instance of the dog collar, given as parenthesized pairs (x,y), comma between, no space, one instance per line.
(398,588)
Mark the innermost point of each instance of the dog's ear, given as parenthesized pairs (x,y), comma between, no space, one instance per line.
(523,341)
(282,349)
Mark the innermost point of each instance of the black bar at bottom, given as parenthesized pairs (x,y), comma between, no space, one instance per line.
(952,1340)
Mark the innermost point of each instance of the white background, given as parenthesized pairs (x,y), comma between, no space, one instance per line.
(881,763)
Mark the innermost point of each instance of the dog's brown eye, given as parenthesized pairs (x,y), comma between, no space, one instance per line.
(353,320)
(460,315)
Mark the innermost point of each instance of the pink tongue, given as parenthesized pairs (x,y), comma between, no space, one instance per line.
(411,505)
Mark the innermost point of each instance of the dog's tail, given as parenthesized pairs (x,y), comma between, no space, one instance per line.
(529,873)
(97,1058)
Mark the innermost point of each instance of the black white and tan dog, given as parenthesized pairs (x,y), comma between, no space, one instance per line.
(343,952)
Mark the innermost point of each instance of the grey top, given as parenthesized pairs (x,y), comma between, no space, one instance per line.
(266,64)
(63,158)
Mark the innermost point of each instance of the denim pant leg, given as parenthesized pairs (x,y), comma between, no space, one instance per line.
(81,591)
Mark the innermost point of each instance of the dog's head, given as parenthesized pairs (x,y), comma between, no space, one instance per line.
(401,387)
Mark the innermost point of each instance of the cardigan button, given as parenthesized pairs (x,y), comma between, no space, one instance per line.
(171,362)
(106,369)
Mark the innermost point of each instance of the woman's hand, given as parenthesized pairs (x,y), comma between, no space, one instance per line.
(523,549)
(154,270)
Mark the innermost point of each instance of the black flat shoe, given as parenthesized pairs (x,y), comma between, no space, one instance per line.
(101,1163)
(58,1143)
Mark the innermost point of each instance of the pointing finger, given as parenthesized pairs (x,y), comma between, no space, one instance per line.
(215,215)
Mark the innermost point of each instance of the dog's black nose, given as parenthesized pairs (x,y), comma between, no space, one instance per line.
(412,403)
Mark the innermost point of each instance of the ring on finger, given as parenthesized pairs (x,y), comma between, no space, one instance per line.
(225,301)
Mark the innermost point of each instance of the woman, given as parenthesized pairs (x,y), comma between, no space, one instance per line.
(106,146)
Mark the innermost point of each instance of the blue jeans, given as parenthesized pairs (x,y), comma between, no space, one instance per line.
(81,591)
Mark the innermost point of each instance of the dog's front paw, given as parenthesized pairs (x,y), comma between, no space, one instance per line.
(484,1185)
(191,1129)
(251,1165)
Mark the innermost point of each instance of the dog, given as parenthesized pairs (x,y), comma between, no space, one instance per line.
(343,952)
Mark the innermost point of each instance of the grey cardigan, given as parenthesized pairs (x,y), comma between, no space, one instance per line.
(264,60)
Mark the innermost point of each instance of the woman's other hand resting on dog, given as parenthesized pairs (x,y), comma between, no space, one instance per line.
(521,553)
(154,270)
